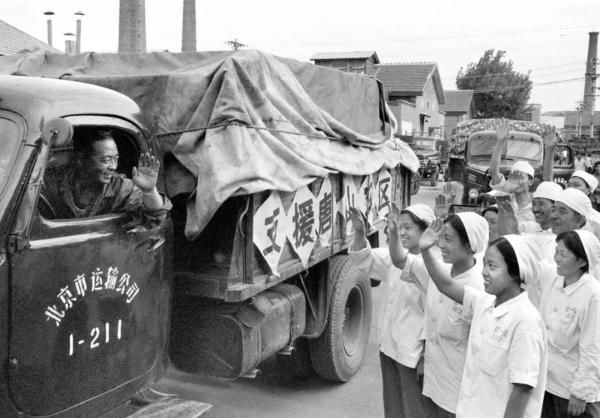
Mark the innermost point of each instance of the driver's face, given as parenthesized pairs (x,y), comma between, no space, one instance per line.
(104,161)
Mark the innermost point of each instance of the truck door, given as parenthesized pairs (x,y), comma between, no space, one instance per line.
(89,309)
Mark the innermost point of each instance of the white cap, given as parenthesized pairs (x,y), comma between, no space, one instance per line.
(547,190)
(523,167)
(589,179)
(576,200)
(477,229)
(591,245)
(423,212)
(527,258)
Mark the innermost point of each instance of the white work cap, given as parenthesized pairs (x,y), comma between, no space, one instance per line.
(591,245)
(588,178)
(477,229)
(528,259)
(423,212)
(523,167)
(547,190)
(576,200)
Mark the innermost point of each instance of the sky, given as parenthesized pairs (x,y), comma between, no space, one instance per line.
(547,38)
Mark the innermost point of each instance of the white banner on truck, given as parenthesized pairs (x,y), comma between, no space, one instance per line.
(269,230)
(324,213)
(301,230)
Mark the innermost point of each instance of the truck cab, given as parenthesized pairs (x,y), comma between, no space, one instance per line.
(85,303)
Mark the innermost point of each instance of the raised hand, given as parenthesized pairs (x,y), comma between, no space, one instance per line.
(502,129)
(550,138)
(358,222)
(441,206)
(431,235)
(145,174)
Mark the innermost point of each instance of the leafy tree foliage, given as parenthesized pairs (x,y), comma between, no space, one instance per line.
(500,91)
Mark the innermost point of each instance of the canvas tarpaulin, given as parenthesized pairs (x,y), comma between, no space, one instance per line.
(240,122)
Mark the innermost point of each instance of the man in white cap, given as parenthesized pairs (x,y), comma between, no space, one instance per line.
(587,184)
(519,180)
(542,240)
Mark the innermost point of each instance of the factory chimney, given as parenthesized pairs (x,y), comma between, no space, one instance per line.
(49,25)
(132,26)
(188,32)
(589,90)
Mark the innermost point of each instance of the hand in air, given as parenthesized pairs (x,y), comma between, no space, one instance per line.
(392,224)
(145,174)
(550,138)
(502,129)
(441,206)
(431,235)
(358,222)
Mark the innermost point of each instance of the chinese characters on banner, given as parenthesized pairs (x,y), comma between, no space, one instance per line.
(83,286)
(324,209)
(311,218)
(384,194)
(301,218)
(269,230)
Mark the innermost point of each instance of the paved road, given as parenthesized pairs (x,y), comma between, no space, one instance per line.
(276,393)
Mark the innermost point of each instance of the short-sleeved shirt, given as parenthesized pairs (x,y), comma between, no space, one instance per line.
(572,318)
(507,345)
(446,336)
(401,322)
(121,195)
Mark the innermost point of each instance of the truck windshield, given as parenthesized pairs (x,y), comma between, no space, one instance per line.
(424,144)
(9,140)
(517,149)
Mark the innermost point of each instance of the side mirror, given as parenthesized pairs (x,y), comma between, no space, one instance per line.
(57,132)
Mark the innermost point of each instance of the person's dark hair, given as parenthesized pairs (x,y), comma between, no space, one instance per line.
(510,257)
(457,224)
(85,145)
(573,243)
(420,222)
(488,209)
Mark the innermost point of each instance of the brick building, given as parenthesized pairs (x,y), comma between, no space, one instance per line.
(414,93)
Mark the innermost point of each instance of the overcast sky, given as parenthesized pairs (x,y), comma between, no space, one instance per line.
(548,38)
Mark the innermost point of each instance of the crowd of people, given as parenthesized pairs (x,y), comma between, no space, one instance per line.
(495,315)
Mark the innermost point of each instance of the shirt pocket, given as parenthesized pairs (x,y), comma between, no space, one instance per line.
(455,328)
(492,357)
(564,334)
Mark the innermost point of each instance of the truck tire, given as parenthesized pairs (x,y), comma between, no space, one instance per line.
(434,177)
(298,362)
(415,183)
(338,352)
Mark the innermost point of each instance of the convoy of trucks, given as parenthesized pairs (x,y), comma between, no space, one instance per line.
(261,156)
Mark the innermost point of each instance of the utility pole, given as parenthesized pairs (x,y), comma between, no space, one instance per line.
(235,44)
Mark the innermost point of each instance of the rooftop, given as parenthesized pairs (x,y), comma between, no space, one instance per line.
(345,55)
(457,101)
(14,41)
(410,78)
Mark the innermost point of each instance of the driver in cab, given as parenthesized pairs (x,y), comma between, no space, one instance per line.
(91,186)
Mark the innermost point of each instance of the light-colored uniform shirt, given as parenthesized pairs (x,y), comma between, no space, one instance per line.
(572,316)
(507,345)
(446,336)
(401,324)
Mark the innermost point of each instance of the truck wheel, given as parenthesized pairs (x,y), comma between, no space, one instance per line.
(338,352)
(434,177)
(299,361)
(415,183)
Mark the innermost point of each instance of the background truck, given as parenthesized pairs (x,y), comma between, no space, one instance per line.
(262,158)
(468,169)
(433,158)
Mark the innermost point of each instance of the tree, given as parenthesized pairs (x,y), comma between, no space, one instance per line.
(500,91)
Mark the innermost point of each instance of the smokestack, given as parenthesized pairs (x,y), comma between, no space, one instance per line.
(69,43)
(589,90)
(49,25)
(188,31)
(78,32)
(132,26)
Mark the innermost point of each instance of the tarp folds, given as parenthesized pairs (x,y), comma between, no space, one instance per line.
(241,122)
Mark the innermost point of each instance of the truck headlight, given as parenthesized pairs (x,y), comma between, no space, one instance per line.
(473,193)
